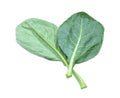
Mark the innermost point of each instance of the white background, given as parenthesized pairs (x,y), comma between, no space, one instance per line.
(24,75)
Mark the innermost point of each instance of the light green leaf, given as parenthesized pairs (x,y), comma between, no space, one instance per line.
(38,37)
(80,38)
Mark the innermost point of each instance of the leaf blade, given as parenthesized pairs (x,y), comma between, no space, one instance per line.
(80,38)
(38,37)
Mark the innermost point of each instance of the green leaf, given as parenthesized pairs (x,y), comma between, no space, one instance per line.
(38,37)
(80,38)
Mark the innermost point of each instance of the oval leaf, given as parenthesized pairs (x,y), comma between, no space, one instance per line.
(80,38)
(38,37)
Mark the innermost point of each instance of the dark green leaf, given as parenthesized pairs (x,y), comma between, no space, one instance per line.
(80,38)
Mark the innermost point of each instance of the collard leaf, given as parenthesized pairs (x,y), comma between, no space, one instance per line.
(80,38)
(38,37)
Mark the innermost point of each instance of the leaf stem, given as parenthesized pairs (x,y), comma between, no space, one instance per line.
(80,80)
(76,75)
(70,71)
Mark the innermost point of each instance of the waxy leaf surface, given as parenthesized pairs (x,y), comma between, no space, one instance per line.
(80,37)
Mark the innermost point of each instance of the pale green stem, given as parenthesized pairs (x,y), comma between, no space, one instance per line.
(79,79)
(77,76)
(70,70)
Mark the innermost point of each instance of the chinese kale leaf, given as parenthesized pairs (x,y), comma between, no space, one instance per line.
(80,38)
(38,37)
(77,40)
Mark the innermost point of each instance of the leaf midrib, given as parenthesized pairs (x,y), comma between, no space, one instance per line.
(71,64)
(76,47)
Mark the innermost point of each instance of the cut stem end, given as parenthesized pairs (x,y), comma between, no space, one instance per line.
(68,75)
